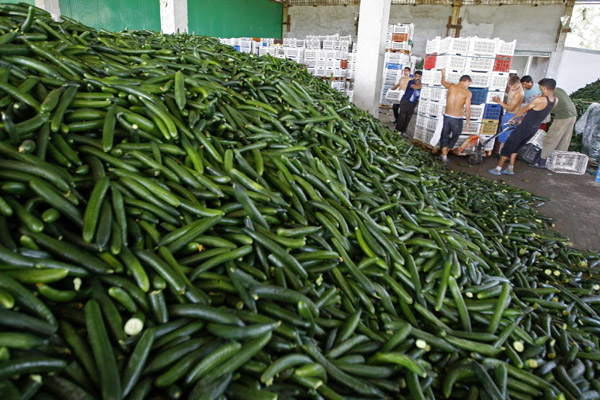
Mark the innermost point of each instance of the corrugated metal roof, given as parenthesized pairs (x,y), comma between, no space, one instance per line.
(426,2)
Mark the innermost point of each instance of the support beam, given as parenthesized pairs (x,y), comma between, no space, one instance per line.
(564,26)
(372,29)
(286,20)
(173,16)
(52,6)
(454,21)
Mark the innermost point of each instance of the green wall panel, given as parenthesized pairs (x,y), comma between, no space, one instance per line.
(114,15)
(32,2)
(235,18)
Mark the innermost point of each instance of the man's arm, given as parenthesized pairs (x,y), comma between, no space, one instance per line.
(444,83)
(468,109)
(397,85)
(525,109)
(416,86)
(516,100)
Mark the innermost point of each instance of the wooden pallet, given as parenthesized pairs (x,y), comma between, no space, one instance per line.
(434,150)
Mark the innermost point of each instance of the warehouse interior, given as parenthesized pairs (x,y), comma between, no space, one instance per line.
(299,199)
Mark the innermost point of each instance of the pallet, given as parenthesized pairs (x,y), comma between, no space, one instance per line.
(425,146)
(397,51)
(434,150)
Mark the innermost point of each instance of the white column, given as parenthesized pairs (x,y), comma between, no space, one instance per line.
(173,16)
(528,65)
(52,6)
(372,28)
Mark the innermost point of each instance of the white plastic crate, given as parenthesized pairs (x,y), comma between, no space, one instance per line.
(483,47)
(310,53)
(320,63)
(328,44)
(498,80)
(320,71)
(485,64)
(451,76)
(451,45)
(431,107)
(479,79)
(450,61)
(400,46)
(321,55)
(472,128)
(311,71)
(420,122)
(423,135)
(538,139)
(332,63)
(567,162)
(492,94)
(433,46)
(432,77)
(507,48)
(477,112)
(310,62)
(434,93)
(401,28)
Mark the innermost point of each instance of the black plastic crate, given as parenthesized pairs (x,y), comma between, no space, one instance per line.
(529,153)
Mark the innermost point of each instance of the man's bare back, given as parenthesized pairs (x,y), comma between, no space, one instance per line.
(457,98)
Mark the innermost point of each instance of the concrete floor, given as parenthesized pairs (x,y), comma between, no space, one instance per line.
(574,199)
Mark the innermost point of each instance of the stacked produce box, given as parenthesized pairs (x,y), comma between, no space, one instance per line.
(486,61)
(398,46)
(330,57)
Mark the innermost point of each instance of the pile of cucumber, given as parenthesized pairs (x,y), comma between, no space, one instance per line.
(182,221)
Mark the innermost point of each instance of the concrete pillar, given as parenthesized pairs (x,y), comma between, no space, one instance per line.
(372,28)
(52,6)
(173,16)
(528,65)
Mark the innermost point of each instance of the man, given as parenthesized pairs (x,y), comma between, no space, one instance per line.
(532,90)
(534,113)
(409,102)
(458,99)
(512,105)
(561,130)
(402,84)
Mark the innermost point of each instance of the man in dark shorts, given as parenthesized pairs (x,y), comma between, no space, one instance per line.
(534,113)
(409,102)
(458,102)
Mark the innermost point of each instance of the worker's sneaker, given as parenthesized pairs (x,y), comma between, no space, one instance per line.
(494,171)
(507,171)
(446,162)
(540,163)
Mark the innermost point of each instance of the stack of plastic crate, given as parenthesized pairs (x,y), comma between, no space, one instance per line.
(330,57)
(486,61)
(398,46)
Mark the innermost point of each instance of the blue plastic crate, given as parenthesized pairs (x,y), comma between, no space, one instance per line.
(492,111)
(479,95)
(393,66)
(237,48)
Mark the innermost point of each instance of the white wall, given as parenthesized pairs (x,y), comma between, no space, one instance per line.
(534,27)
(574,68)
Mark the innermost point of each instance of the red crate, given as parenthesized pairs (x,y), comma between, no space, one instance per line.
(502,63)
(430,61)
(399,37)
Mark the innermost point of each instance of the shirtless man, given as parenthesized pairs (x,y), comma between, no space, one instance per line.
(459,99)
(402,83)
(512,105)
(534,113)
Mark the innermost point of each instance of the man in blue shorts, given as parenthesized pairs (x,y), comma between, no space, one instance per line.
(534,113)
